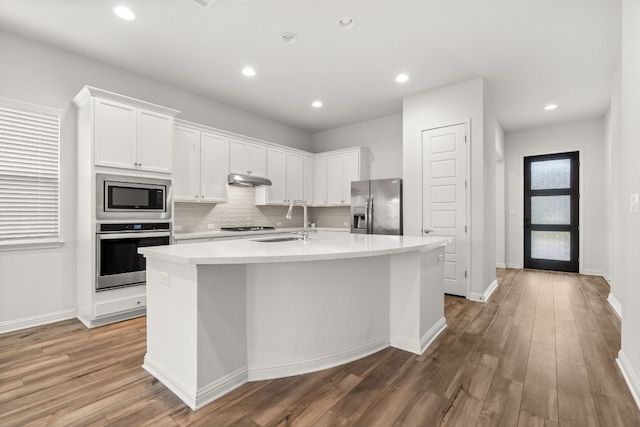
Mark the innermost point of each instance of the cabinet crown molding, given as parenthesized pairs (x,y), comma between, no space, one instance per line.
(89,91)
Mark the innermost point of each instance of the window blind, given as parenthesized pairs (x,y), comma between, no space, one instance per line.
(29,172)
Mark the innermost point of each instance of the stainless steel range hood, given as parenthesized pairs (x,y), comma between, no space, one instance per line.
(248,180)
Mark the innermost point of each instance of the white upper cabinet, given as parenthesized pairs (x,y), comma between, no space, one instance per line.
(307,191)
(115,132)
(295,177)
(155,141)
(285,169)
(201,166)
(248,159)
(186,164)
(131,137)
(333,173)
(214,167)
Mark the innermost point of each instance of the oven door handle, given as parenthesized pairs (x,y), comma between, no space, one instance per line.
(134,235)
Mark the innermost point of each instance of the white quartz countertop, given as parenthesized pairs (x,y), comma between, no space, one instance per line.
(320,246)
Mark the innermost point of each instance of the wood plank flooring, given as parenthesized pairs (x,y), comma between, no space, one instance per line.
(540,352)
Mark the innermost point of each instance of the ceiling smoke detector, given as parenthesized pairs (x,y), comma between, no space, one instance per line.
(206,4)
(288,38)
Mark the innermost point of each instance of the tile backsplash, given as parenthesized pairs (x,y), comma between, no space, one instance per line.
(240,210)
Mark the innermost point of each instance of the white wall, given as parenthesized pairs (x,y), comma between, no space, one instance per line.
(587,136)
(39,285)
(626,183)
(382,136)
(460,102)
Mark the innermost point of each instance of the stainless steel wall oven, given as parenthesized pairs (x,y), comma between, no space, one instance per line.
(118,262)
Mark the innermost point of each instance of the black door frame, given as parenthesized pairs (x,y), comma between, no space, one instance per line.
(574,192)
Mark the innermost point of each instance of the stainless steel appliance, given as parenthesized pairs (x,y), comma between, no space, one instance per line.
(376,206)
(129,198)
(118,261)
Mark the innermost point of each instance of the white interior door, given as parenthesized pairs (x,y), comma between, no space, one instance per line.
(444,160)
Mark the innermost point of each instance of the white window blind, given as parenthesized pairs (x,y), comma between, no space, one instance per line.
(29,172)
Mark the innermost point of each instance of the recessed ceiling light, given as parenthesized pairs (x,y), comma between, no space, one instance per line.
(124,13)
(551,107)
(288,38)
(401,78)
(248,71)
(346,23)
(316,104)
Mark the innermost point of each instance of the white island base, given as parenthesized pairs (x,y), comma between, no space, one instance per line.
(216,322)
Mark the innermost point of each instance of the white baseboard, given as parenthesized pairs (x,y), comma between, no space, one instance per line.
(629,376)
(43,319)
(516,266)
(501,265)
(204,395)
(594,273)
(418,346)
(483,297)
(267,372)
(106,320)
(615,304)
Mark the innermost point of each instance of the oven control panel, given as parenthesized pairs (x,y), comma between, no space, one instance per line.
(133,227)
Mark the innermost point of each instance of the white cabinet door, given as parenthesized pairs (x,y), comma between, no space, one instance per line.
(186,161)
(335,179)
(257,160)
(351,173)
(248,159)
(295,178)
(154,141)
(320,181)
(277,173)
(115,134)
(213,168)
(307,193)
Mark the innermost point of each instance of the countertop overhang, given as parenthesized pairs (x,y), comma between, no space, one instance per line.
(320,246)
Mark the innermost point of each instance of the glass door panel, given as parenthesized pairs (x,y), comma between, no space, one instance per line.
(551,212)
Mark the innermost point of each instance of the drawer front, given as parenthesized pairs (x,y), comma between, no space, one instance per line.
(120,305)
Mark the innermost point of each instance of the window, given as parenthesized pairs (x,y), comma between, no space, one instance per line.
(29,174)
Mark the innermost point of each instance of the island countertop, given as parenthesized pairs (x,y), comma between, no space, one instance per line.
(319,246)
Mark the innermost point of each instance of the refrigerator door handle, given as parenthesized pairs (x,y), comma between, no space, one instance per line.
(370,216)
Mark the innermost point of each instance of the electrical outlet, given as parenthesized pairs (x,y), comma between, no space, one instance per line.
(165,279)
(278,224)
(177,228)
(512,212)
(346,224)
(211,226)
(440,259)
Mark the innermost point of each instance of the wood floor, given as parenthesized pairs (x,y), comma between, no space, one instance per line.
(540,352)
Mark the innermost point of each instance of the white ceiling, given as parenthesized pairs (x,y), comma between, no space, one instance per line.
(531,52)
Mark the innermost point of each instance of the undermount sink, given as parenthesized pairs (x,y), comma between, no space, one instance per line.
(278,239)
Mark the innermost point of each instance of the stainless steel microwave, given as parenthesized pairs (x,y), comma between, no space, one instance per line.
(132,198)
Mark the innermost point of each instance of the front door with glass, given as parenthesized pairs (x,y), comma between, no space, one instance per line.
(551,214)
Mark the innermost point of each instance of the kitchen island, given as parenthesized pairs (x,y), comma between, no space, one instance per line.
(223,313)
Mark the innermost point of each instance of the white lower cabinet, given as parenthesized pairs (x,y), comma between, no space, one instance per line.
(201,166)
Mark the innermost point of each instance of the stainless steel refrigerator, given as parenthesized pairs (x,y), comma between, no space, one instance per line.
(376,206)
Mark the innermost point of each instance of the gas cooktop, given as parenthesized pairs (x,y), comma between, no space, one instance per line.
(247,228)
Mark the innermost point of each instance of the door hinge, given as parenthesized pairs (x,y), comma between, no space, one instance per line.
(465,184)
(465,139)
(465,228)
(465,274)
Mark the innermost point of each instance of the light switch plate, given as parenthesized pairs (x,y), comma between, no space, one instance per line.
(512,212)
(165,279)
(177,227)
(211,226)
(278,224)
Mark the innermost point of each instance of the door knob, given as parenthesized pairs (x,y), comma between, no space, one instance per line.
(427,231)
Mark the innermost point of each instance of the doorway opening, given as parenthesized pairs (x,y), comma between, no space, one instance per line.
(551,212)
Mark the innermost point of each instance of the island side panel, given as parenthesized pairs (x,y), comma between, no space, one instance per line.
(196,329)
(416,299)
(308,316)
